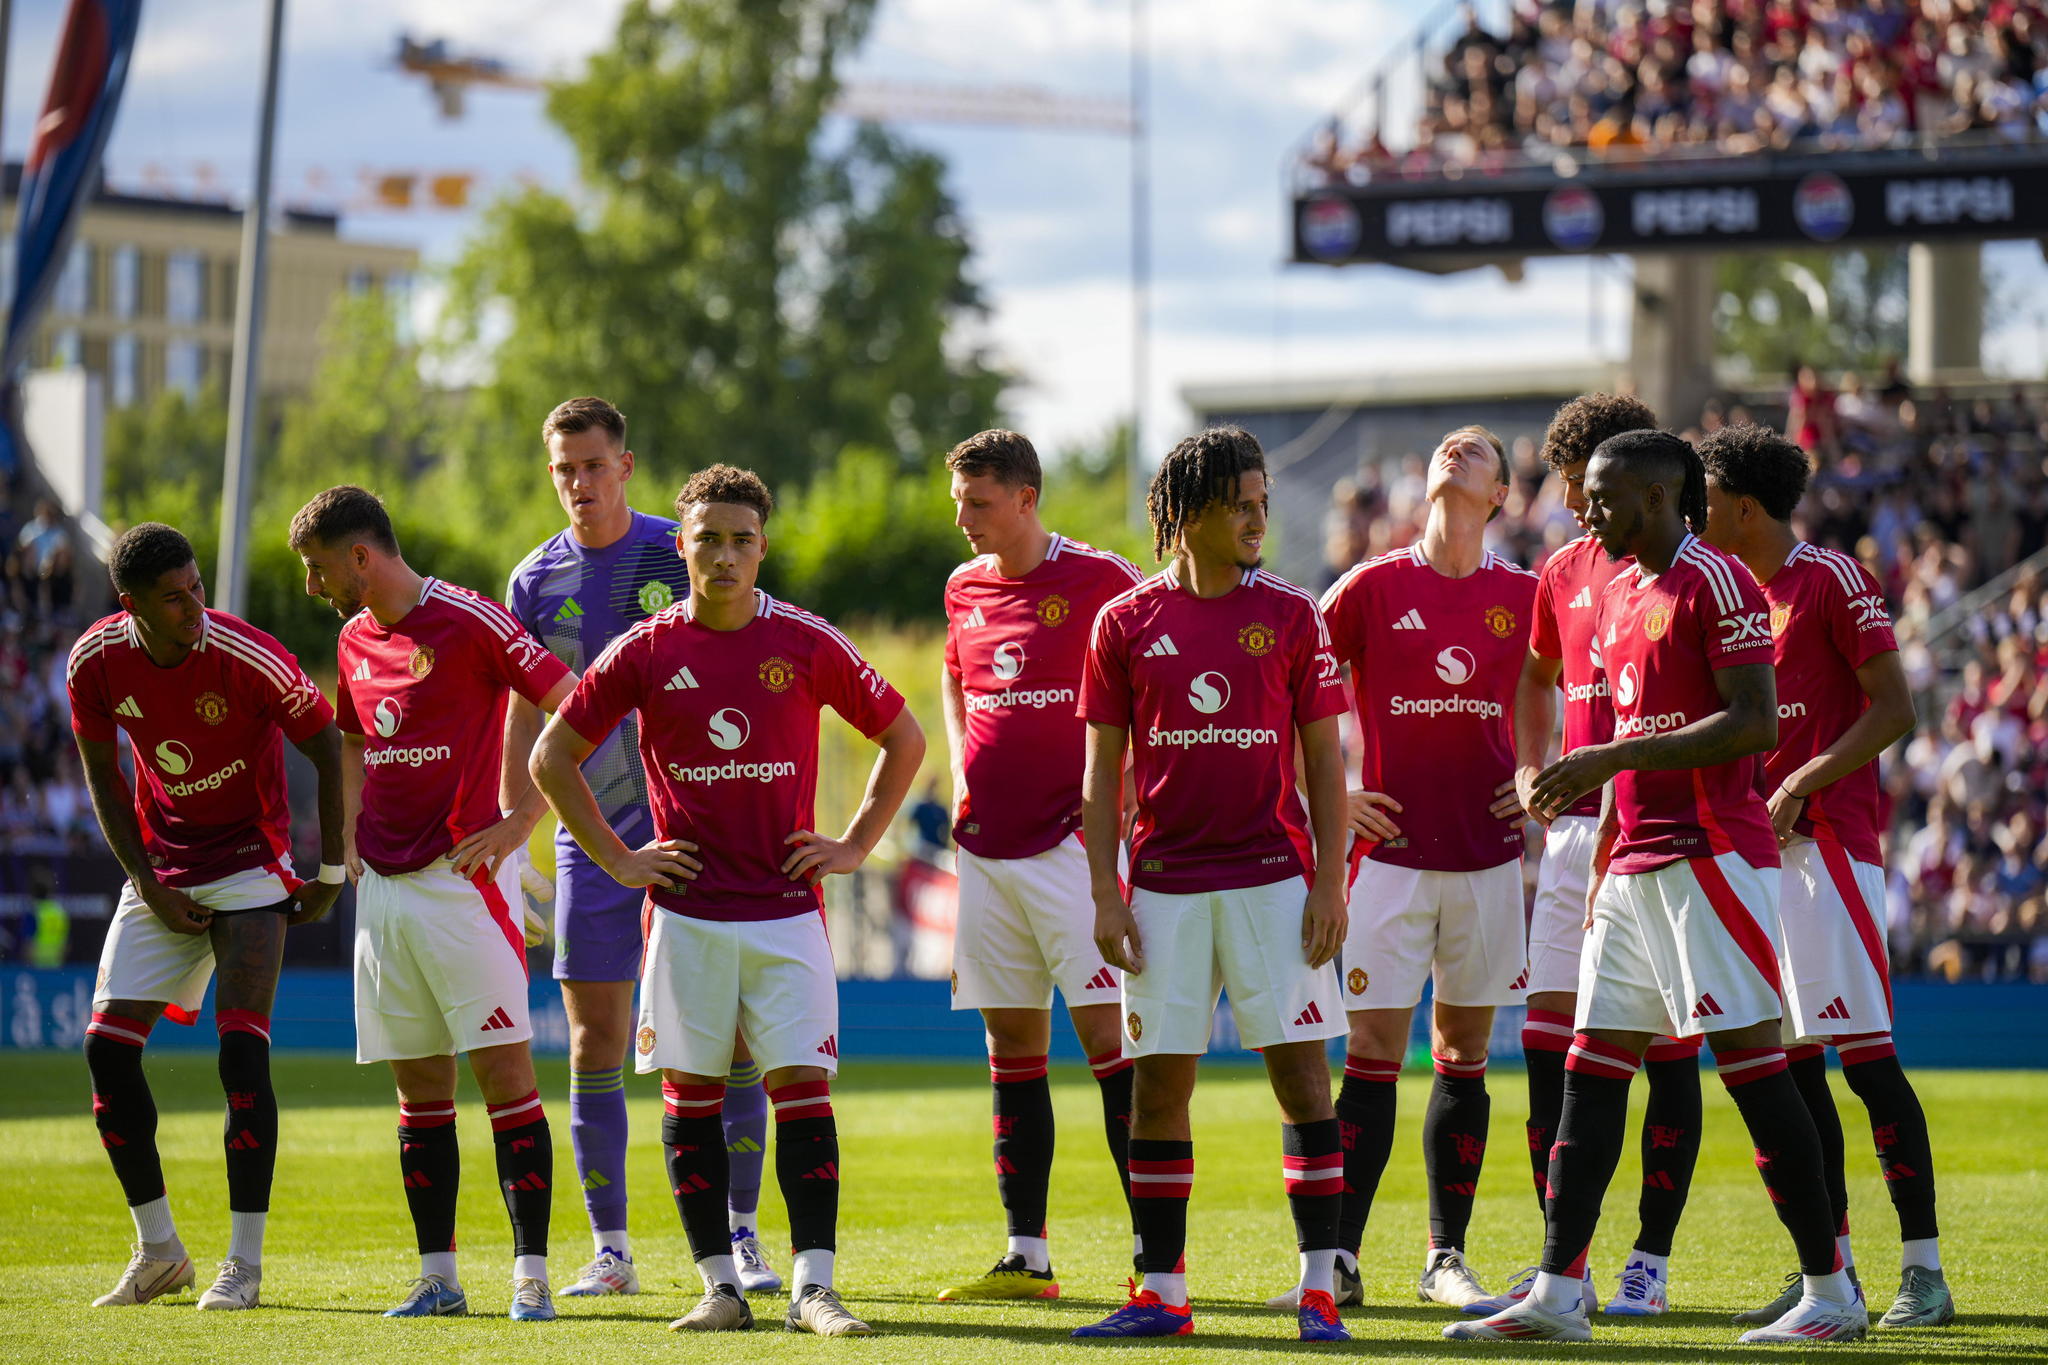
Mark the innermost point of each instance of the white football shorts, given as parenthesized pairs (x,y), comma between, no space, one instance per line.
(1027,925)
(1409,925)
(1836,972)
(708,981)
(143,959)
(1557,919)
(440,962)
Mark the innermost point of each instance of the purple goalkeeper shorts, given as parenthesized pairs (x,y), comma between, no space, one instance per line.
(597,923)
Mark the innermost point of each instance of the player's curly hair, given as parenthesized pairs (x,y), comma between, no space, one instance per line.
(1006,456)
(1578,428)
(146,552)
(1202,469)
(1673,458)
(726,483)
(1753,461)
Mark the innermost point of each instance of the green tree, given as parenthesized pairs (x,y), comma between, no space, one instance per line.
(1836,310)
(746,283)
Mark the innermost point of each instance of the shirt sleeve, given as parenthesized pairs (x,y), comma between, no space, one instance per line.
(526,665)
(344,700)
(1106,674)
(1859,623)
(1341,617)
(1736,637)
(1546,641)
(609,689)
(849,684)
(1312,673)
(295,703)
(90,718)
(952,634)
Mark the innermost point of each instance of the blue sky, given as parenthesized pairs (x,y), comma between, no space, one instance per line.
(1234,83)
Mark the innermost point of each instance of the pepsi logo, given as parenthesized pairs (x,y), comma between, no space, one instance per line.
(173,757)
(1330,228)
(1573,218)
(1008,660)
(1455,665)
(1209,693)
(1823,206)
(728,729)
(386,718)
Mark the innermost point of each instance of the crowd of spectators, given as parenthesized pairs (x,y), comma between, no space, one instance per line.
(1620,80)
(44,808)
(1936,497)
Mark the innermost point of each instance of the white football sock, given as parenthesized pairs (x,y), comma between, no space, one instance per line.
(1036,1251)
(1556,1293)
(1834,1287)
(1842,1246)
(718,1270)
(812,1267)
(245,1237)
(1319,1271)
(615,1241)
(1349,1260)
(1172,1289)
(1648,1260)
(440,1263)
(742,1220)
(154,1225)
(1921,1251)
(530,1268)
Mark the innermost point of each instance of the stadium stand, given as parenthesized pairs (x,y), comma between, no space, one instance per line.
(1946,503)
(1620,81)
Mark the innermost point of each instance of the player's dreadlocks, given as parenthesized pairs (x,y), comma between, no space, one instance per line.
(1202,469)
(1674,459)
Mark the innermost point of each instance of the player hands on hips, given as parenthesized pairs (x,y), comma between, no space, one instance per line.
(1433,636)
(207,701)
(1017,621)
(1683,928)
(424,669)
(729,685)
(1206,674)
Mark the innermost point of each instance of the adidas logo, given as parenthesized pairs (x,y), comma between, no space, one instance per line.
(362,673)
(1411,620)
(499,1019)
(129,708)
(974,620)
(830,1047)
(1706,1008)
(683,680)
(569,612)
(743,1145)
(1835,1010)
(530,1181)
(1101,981)
(1584,599)
(828,1171)
(595,1181)
(692,1184)
(417,1180)
(1161,648)
(1311,1015)
(244,1141)
(1521,982)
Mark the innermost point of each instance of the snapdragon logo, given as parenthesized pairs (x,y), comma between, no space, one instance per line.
(1628,726)
(1209,693)
(210,782)
(726,772)
(1212,734)
(1788,709)
(728,729)
(1008,661)
(1446,706)
(386,718)
(415,757)
(1456,666)
(1020,698)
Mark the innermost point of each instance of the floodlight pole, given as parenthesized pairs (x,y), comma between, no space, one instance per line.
(1141,267)
(231,580)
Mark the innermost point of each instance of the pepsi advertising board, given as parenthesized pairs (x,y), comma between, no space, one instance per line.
(1447,222)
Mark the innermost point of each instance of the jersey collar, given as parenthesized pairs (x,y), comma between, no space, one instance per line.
(764,606)
(1644,576)
(1171,573)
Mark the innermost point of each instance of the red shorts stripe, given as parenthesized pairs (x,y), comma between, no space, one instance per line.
(290,883)
(1735,917)
(501,913)
(1836,859)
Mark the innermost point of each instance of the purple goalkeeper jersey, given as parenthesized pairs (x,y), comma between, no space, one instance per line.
(577,601)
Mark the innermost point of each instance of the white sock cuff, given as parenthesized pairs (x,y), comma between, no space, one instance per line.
(153,1221)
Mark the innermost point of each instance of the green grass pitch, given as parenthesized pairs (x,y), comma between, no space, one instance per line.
(920,1211)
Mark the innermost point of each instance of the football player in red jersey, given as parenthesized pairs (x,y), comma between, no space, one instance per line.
(1842,700)
(207,701)
(425,668)
(1563,657)
(1017,621)
(1683,914)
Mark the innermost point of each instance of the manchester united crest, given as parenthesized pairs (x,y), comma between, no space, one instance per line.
(1054,610)
(645,1041)
(421,663)
(212,707)
(1257,639)
(1135,1026)
(655,596)
(1781,617)
(1356,981)
(1500,621)
(1656,621)
(777,673)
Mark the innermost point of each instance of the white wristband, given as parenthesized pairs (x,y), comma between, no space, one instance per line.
(333,874)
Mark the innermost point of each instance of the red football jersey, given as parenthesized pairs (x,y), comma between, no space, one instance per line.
(729,737)
(1434,663)
(1211,690)
(1017,646)
(1661,641)
(428,697)
(1828,619)
(208,738)
(1567,608)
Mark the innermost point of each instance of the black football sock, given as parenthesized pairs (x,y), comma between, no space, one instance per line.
(1113,1075)
(807,1163)
(1365,1127)
(1787,1150)
(250,1133)
(1312,1157)
(526,1170)
(1590,1133)
(1898,1126)
(699,1167)
(1024,1141)
(431,1163)
(1808,1067)
(1454,1130)
(1670,1142)
(1162,1178)
(123,1110)
(1546,1038)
